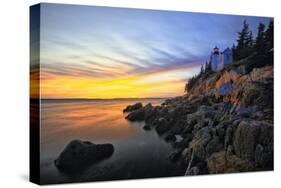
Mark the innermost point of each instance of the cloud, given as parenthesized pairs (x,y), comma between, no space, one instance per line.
(97,47)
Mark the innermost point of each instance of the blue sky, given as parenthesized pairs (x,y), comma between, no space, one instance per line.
(112,43)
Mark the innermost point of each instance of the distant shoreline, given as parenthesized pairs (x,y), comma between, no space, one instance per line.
(89,99)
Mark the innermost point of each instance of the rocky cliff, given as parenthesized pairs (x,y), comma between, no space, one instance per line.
(224,122)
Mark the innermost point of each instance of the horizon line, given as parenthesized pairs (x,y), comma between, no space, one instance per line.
(100,98)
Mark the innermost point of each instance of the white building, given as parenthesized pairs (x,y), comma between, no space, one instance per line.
(219,59)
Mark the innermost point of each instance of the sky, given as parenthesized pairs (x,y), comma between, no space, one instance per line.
(103,52)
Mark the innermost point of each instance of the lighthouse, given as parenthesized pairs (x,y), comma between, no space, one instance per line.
(219,59)
(214,59)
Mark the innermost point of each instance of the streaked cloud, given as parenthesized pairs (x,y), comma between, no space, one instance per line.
(99,52)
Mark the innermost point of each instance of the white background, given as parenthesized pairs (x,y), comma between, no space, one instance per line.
(14,92)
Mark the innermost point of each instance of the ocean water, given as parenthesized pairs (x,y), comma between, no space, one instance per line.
(137,153)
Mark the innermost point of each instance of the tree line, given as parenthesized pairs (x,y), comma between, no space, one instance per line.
(259,47)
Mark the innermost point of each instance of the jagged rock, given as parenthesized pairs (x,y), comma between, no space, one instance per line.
(224,90)
(178,126)
(220,130)
(264,148)
(179,138)
(185,141)
(162,126)
(188,128)
(247,112)
(245,140)
(133,107)
(227,77)
(200,141)
(258,93)
(194,171)
(174,156)
(80,154)
(170,137)
(192,119)
(146,127)
(214,145)
(205,113)
(225,119)
(261,73)
(241,69)
(230,127)
(229,150)
(149,112)
(221,163)
(136,115)
(229,135)
(249,139)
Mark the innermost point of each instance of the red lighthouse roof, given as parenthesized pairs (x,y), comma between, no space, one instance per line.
(216,50)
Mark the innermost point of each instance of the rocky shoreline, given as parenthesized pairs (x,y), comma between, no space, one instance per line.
(223,124)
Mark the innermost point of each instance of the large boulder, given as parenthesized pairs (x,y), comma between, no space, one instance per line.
(253,141)
(219,162)
(80,154)
(170,138)
(162,126)
(137,115)
(200,141)
(133,107)
(150,113)
(214,145)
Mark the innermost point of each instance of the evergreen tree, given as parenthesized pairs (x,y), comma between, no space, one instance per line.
(269,36)
(249,44)
(202,69)
(206,67)
(243,41)
(210,66)
(269,42)
(233,51)
(250,41)
(260,40)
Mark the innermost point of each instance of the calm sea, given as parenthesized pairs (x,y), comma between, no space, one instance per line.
(137,153)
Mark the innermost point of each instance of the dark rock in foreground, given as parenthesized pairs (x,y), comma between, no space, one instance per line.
(80,154)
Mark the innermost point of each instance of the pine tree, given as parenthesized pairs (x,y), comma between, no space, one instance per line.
(269,36)
(210,66)
(233,51)
(269,42)
(250,41)
(249,44)
(260,40)
(202,69)
(206,67)
(243,40)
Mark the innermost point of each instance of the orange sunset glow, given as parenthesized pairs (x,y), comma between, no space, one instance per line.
(156,85)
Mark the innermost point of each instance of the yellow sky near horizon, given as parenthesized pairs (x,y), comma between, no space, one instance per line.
(156,85)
